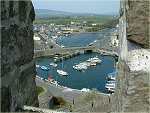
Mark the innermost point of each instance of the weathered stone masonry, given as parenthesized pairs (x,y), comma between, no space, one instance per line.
(18,86)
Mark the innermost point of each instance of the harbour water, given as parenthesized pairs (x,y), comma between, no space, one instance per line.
(84,39)
(93,77)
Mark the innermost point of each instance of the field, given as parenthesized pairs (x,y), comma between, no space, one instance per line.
(79,19)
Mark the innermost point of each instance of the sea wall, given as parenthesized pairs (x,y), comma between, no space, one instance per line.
(18,86)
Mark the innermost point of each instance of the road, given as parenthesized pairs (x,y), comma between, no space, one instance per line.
(82,100)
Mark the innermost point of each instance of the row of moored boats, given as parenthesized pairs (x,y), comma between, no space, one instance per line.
(111,78)
(81,66)
(84,65)
(111,82)
(59,71)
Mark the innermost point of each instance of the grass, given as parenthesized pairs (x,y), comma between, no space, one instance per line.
(39,90)
(67,20)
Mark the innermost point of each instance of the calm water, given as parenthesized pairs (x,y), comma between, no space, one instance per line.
(93,77)
(83,39)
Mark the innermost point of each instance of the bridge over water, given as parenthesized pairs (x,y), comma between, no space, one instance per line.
(73,50)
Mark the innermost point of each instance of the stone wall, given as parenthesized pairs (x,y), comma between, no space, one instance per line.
(18,86)
(132,90)
(138,14)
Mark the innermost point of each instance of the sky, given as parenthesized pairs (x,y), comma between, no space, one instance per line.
(80,6)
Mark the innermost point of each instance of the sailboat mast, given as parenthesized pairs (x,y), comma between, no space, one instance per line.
(62,63)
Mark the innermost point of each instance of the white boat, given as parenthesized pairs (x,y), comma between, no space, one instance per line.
(76,67)
(111,90)
(54,82)
(94,60)
(110,86)
(111,81)
(37,66)
(61,72)
(81,66)
(44,68)
(53,64)
(92,64)
(111,77)
(92,42)
(54,37)
(62,46)
(95,41)
(85,90)
(88,64)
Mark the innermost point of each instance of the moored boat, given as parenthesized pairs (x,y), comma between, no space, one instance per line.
(61,72)
(85,90)
(111,77)
(53,64)
(81,66)
(94,60)
(110,85)
(44,68)
(55,83)
(92,64)
(37,66)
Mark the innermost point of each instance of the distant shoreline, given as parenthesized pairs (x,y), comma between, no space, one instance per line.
(90,32)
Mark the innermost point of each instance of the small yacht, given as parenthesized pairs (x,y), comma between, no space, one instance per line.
(92,43)
(44,68)
(85,90)
(111,81)
(94,59)
(53,64)
(62,46)
(54,37)
(37,66)
(88,64)
(111,77)
(110,86)
(81,66)
(61,72)
(84,67)
(92,64)
(76,67)
(55,83)
(111,90)
(95,41)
